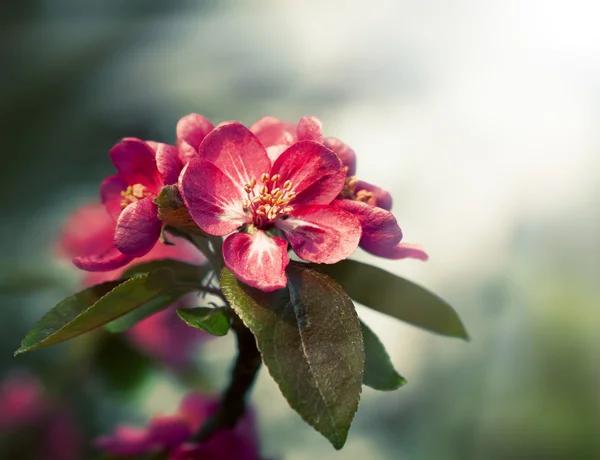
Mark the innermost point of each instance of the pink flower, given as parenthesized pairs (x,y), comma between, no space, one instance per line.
(191,130)
(22,400)
(163,335)
(143,168)
(233,185)
(171,434)
(381,234)
(25,408)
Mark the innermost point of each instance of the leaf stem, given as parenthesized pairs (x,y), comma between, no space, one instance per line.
(233,401)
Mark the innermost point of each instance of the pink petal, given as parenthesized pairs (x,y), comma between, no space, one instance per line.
(168,163)
(212,199)
(310,129)
(87,229)
(236,152)
(105,260)
(345,153)
(315,171)
(257,260)
(271,131)
(275,151)
(380,230)
(197,407)
(138,228)
(321,233)
(383,199)
(126,441)
(186,152)
(110,194)
(192,129)
(168,431)
(136,163)
(404,251)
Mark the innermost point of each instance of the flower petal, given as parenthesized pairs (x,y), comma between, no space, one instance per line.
(192,129)
(138,228)
(381,234)
(321,233)
(380,230)
(236,152)
(126,441)
(404,251)
(310,129)
(345,153)
(315,171)
(271,131)
(168,163)
(212,199)
(108,259)
(136,163)
(186,152)
(168,431)
(383,199)
(87,229)
(257,260)
(110,194)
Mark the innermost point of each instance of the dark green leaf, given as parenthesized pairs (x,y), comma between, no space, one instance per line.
(397,297)
(129,320)
(311,342)
(183,272)
(379,370)
(215,321)
(97,306)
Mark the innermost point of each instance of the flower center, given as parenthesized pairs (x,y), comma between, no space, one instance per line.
(133,193)
(268,201)
(349,192)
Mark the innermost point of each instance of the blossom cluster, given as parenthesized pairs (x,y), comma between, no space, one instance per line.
(269,189)
(170,434)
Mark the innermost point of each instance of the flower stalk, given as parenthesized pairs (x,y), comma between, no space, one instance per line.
(233,401)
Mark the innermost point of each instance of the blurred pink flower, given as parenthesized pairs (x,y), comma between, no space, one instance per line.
(232,185)
(22,400)
(381,234)
(143,169)
(162,335)
(171,434)
(26,408)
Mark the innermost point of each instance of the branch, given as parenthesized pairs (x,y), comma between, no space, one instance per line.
(233,401)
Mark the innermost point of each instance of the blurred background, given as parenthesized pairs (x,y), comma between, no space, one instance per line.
(480,117)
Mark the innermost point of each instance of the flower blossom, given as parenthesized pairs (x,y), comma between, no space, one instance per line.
(233,185)
(381,234)
(162,335)
(143,168)
(27,412)
(170,435)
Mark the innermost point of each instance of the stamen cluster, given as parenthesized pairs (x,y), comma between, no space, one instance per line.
(133,193)
(271,201)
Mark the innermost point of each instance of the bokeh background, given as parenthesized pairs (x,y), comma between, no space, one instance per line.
(482,119)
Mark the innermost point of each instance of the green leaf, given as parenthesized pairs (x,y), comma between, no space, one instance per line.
(379,370)
(397,297)
(183,272)
(97,306)
(129,320)
(215,321)
(311,342)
